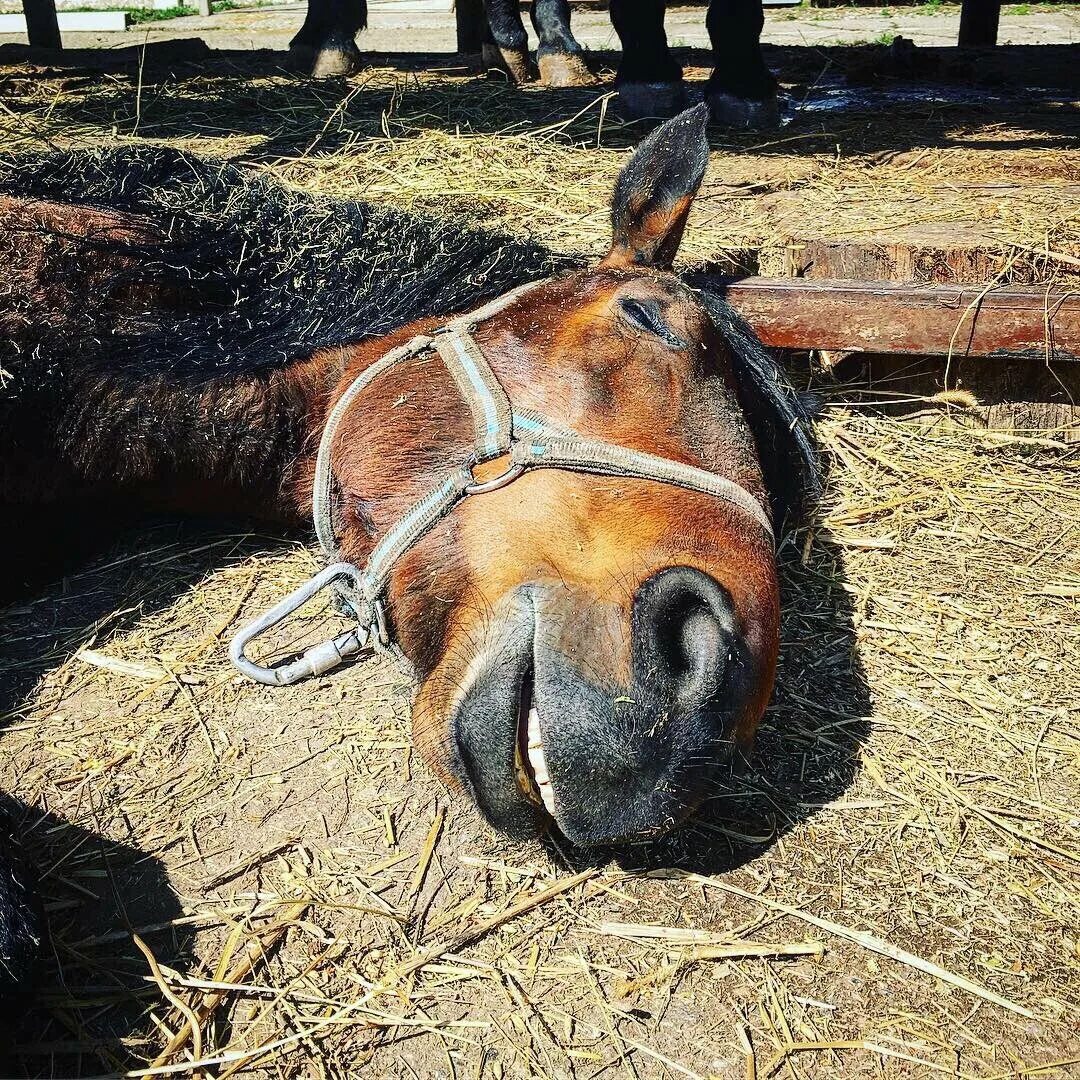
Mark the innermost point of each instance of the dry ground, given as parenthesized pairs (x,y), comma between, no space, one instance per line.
(889,888)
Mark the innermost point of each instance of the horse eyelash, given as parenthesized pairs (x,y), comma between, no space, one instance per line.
(646,316)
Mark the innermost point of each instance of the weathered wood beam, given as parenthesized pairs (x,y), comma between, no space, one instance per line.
(979,23)
(42,30)
(470,17)
(921,320)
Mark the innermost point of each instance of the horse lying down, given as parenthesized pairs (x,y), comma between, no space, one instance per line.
(561,509)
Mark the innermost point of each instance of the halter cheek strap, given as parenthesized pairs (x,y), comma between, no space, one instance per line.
(528,440)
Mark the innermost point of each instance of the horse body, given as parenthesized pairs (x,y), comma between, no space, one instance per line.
(160,316)
(741,91)
(588,649)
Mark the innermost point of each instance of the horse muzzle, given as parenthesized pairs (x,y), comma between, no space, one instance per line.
(610,721)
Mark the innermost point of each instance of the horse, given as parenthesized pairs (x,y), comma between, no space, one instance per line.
(564,500)
(741,91)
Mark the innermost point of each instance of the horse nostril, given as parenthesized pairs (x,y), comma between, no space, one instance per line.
(684,633)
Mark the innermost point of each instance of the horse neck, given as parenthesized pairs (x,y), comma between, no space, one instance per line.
(326,376)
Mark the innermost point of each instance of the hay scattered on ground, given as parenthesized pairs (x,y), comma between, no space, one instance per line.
(452,142)
(903,847)
(915,784)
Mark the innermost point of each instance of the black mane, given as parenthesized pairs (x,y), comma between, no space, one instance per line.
(292,272)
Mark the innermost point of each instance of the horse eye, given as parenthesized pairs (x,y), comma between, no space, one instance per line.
(646,316)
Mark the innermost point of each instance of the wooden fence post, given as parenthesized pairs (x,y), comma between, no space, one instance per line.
(42,29)
(979,23)
(471,20)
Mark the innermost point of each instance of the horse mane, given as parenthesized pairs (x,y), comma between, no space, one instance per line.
(295,272)
(779,416)
(234,277)
(256,276)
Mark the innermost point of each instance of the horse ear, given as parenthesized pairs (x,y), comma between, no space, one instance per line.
(654,192)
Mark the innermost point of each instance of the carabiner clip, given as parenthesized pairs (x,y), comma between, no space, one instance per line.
(319,658)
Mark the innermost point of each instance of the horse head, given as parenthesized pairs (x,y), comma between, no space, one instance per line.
(588,648)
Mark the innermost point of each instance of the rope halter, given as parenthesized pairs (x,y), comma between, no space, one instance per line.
(528,440)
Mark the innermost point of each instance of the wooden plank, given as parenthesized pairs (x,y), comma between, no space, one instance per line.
(962,248)
(929,253)
(42,29)
(979,23)
(471,19)
(79,21)
(919,320)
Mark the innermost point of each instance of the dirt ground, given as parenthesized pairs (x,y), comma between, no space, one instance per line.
(889,888)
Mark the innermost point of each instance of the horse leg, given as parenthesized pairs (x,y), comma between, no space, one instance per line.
(561,59)
(325,44)
(741,91)
(649,81)
(506,44)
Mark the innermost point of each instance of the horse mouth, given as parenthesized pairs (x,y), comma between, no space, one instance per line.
(530,764)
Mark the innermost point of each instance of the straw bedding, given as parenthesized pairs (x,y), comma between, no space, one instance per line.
(888,888)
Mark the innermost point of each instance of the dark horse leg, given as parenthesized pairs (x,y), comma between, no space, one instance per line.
(649,80)
(325,44)
(560,57)
(506,44)
(741,91)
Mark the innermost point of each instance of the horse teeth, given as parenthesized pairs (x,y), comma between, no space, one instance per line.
(548,797)
(538,763)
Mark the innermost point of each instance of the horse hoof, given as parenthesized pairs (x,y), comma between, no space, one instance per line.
(659,100)
(515,63)
(743,114)
(565,69)
(337,55)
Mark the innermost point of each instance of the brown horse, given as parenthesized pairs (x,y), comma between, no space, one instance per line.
(587,648)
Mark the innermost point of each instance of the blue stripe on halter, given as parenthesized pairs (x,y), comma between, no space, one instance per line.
(491,415)
(527,422)
(433,501)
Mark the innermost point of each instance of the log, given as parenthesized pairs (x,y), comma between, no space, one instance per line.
(1011,322)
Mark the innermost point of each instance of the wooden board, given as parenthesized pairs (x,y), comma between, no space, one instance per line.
(1021,322)
(81,21)
(962,248)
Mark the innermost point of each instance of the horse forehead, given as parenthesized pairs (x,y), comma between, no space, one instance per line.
(544,331)
(567,298)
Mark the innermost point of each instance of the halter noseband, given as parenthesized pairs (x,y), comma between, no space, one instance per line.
(528,440)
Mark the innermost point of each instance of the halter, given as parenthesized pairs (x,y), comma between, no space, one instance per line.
(526,439)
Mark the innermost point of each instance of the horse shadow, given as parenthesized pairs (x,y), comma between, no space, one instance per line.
(90,992)
(87,997)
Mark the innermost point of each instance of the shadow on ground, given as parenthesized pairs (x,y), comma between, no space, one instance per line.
(870,98)
(87,1015)
(86,1012)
